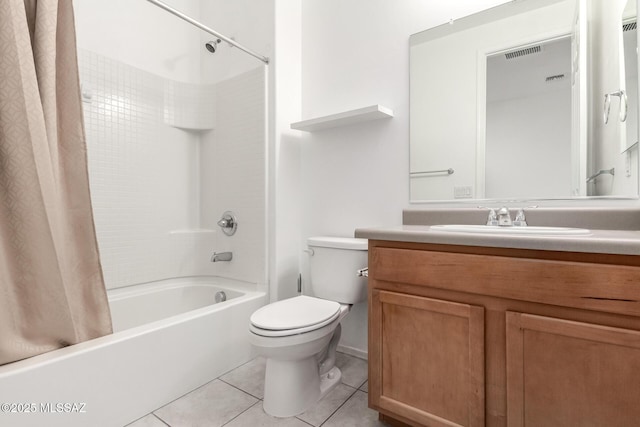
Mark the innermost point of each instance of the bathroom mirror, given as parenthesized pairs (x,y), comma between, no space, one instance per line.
(509,103)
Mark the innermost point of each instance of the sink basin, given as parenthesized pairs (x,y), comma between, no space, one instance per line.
(529,230)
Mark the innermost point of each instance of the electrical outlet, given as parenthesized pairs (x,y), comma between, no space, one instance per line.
(462,192)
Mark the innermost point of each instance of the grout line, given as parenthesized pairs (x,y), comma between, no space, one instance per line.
(209,382)
(355,390)
(161,420)
(238,388)
(309,424)
(240,413)
(329,416)
(357,387)
(180,397)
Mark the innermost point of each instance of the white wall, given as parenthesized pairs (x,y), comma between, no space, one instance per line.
(140,34)
(355,53)
(248,22)
(528,145)
(285,208)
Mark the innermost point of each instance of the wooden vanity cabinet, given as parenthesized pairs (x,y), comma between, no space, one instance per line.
(564,373)
(472,336)
(431,359)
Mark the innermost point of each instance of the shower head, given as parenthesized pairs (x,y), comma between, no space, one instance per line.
(212,45)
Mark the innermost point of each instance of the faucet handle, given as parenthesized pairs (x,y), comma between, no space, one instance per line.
(492,219)
(504,217)
(520,220)
(503,211)
(228,223)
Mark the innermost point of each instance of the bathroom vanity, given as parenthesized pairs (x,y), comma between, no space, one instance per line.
(504,330)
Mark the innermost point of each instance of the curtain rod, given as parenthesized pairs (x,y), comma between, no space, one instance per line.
(207,29)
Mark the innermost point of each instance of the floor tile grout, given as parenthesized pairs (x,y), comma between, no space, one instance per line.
(338,408)
(161,420)
(309,424)
(240,413)
(260,400)
(238,388)
(180,397)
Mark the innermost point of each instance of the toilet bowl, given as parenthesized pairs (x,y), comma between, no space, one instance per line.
(299,336)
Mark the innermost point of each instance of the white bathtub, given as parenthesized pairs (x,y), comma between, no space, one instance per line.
(169,338)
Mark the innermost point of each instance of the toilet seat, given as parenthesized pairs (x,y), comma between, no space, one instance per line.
(294,316)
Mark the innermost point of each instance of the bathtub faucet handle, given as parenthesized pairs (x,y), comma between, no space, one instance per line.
(228,223)
(225,223)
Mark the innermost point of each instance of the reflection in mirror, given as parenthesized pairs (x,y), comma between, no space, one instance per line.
(510,101)
(528,121)
(612,166)
(630,42)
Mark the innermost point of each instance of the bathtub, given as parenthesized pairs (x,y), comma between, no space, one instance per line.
(169,338)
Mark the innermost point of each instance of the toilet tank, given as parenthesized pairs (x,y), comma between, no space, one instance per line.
(333,264)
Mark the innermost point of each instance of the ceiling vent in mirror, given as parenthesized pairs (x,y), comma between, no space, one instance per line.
(554,78)
(523,52)
(629,26)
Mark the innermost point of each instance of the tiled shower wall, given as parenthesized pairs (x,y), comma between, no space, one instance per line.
(232,169)
(145,135)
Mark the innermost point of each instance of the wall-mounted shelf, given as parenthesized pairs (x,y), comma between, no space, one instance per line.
(372,112)
(193,128)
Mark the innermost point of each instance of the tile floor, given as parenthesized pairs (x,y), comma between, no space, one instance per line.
(235,400)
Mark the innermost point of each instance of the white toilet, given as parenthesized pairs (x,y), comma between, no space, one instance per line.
(298,336)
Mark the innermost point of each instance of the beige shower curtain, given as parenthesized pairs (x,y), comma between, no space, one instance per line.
(51,289)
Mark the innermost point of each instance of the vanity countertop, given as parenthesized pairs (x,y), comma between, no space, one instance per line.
(622,242)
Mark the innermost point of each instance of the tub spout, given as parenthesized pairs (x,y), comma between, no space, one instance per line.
(221,256)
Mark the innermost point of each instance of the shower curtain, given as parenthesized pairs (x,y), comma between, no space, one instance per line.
(52,292)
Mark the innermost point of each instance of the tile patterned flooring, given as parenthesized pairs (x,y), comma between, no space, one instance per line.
(235,400)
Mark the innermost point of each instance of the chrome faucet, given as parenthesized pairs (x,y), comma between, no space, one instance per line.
(504,217)
(493,218)
(520,220)
(228,223)
(221,256)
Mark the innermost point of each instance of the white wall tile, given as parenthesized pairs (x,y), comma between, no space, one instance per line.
(232,164)
(145,174)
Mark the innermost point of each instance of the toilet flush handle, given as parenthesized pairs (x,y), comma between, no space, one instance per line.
(363,272)
(309,251)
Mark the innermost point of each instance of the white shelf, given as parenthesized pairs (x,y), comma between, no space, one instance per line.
(194,128)
(372,112)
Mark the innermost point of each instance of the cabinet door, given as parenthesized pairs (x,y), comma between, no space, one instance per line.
(426,359)
(565,373)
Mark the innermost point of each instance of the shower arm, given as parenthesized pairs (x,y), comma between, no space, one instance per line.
(207,29)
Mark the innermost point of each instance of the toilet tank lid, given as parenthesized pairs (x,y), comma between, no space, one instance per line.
(352,243)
